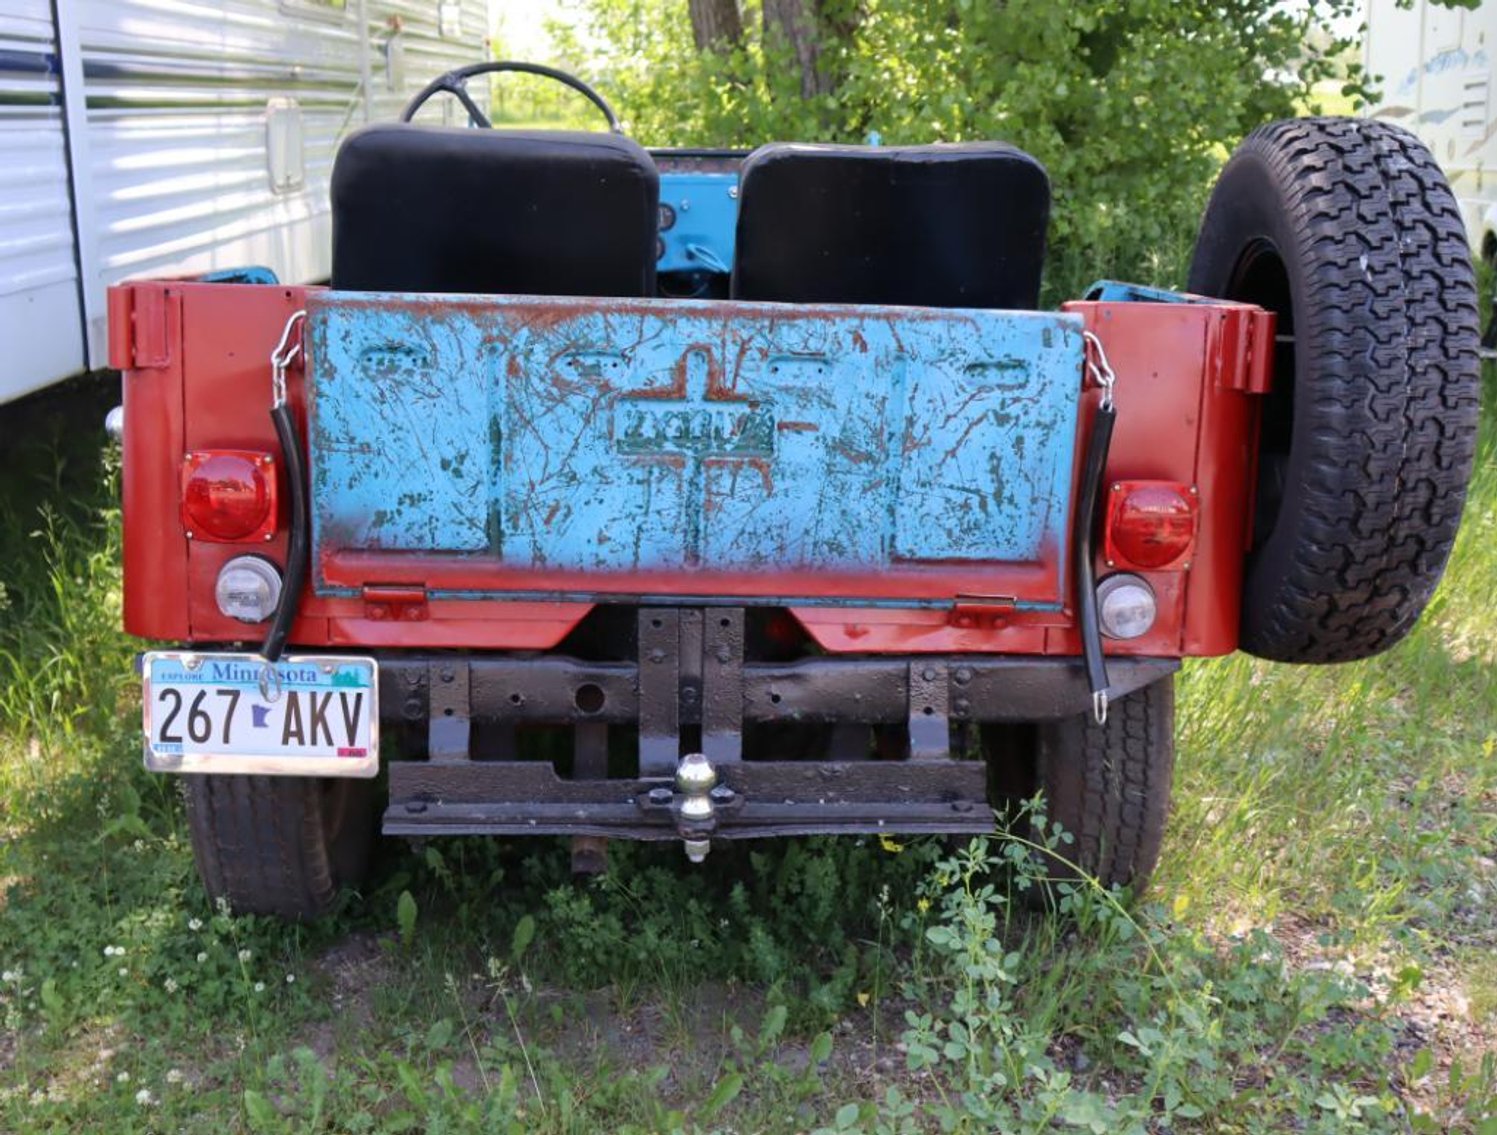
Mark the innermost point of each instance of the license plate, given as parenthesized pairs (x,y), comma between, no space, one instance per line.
(237,713)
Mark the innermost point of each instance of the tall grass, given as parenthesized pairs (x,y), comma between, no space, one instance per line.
(1356,794)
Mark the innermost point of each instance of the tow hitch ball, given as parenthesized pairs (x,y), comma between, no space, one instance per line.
(695,781)
(695,805)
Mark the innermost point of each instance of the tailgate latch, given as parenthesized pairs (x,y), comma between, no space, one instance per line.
(401,603)
(984,611)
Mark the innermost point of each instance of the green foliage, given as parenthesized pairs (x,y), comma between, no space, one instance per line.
(1130,104)
(405,918)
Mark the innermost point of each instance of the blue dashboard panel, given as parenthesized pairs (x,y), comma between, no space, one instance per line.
(698,220)
(581,442)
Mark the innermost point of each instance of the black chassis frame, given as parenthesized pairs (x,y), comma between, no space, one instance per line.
(691,676)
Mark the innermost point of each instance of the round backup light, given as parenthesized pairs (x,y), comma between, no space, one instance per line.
(1125,606)
(248,589)
(226,496)
(1152,525)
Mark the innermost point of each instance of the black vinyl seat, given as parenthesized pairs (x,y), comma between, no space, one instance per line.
(428,209)
(958,225)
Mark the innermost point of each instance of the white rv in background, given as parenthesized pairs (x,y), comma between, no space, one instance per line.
(1434,66)
(155,137)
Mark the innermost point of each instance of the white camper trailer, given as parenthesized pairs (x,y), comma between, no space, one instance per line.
(152,137)
(1434,65)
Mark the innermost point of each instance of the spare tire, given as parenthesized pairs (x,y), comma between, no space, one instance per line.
(1347,229)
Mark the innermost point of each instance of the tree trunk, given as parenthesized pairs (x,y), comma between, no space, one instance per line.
(799,25)
(715,24)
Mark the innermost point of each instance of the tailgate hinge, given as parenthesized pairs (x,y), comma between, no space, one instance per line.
(403,603)
(139,337)
(1241,350)
(982,610)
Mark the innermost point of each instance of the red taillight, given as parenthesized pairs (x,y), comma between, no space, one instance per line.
(1150,525)
(228,495)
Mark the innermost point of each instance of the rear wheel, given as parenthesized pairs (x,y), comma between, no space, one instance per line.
(279,845)
(1108,785)
(1347,230)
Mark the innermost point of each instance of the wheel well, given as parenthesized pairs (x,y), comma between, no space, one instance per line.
(1261,278)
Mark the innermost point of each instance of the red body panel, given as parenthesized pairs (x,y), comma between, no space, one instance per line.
(197,376)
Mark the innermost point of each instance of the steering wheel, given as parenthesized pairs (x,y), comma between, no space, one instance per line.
(454,83)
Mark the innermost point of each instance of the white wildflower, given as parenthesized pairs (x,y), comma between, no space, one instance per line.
(202,956)
(174,1076)
(122,1078)
(170,985)
(8,975)
(245,955)
(194,924)
(124,971)
(291,979)
(144,1097)
(259,987)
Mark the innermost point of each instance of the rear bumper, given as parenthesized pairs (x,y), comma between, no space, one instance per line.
(555,690)
(924,786)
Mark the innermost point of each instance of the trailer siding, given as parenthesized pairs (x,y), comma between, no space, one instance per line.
(39,321)
(1434,69)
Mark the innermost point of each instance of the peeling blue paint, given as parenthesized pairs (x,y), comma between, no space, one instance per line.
(639,435)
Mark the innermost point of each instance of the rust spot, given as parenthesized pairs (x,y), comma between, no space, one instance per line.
(856,456)
(701,353)
(859,342)
(766,472)
(551,514)
(798,427)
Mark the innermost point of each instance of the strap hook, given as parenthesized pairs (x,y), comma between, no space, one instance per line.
(286,352)
(1098,369)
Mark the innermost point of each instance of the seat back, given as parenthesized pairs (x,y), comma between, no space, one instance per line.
(958,225)
(427,209)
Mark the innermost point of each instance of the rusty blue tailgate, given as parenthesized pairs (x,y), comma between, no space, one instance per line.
(598,444)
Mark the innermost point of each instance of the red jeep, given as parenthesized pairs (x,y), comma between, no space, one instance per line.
(697,495)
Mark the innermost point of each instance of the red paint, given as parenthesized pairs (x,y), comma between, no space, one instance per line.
(155,547)
(456,571)
(1188,376)
(1187,383)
